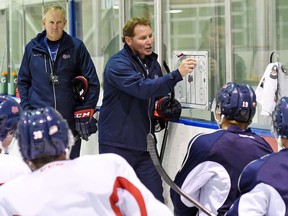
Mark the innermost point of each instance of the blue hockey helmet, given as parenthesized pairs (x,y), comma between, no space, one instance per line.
(237,102)
(41,133)
(10,112)
(280,118)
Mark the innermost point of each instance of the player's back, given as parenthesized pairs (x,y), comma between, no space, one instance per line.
(89,185)
(215,160)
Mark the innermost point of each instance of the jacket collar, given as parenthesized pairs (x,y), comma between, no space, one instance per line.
(236,129)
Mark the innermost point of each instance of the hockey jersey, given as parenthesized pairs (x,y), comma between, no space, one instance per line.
(89,185)
(212,166)
(272,86)
(11,167)
(263,187)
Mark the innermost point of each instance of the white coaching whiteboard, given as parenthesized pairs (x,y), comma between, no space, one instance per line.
(192,91)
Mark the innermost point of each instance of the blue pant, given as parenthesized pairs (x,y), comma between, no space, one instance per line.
(142,165)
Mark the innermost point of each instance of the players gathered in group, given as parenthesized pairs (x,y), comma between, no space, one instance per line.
(230,171)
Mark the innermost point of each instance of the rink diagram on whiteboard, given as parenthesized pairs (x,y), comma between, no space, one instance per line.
(192,91)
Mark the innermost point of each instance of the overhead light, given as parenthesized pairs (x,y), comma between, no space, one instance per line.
(175,11)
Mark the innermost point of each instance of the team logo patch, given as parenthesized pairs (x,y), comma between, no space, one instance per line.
(14,109)
(66,56)
(274,72)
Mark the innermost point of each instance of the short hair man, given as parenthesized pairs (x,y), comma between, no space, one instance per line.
(50,63)
(133,82)
(88,185)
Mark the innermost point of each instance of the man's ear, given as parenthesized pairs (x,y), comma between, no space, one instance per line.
(43,23)
(128,40)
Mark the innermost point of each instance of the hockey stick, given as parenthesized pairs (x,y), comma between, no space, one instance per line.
(168,71)
(164,141)
(151,147)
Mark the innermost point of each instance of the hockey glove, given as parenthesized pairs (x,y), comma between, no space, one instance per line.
(168,109)
(85,123)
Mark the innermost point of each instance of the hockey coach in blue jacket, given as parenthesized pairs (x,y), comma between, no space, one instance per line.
(51,61)
(133,80)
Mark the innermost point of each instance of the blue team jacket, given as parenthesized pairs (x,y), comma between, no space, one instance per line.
(129,98)
(73,59)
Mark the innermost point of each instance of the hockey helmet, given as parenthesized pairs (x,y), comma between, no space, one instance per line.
(10,112)
(237,102)
(43,132)
(80,87)
(280,118)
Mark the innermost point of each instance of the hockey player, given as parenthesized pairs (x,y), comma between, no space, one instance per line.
(89,185)
(214,161)
(263,183)
(10,165)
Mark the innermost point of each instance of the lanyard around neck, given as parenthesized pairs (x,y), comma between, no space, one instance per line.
(52,52)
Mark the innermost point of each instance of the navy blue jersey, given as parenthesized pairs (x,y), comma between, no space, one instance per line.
(263,187)
(212,166)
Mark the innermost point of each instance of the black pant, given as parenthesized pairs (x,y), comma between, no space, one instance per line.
(75,151)
(76,148)
(143,166)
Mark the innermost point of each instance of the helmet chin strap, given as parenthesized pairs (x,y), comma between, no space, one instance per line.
(279,142)
(220,122)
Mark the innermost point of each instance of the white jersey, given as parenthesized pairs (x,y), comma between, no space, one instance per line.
(13,148)
(89,185)
(272,87)
(11,167)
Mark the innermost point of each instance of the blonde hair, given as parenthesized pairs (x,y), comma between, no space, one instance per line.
(54,6)
(129,27)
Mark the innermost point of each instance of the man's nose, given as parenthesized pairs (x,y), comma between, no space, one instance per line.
(149,40)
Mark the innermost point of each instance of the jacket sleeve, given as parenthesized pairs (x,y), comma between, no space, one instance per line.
(125,76)
(24,81)
(88,70)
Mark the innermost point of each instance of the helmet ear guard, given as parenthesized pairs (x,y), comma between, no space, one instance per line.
(237,102)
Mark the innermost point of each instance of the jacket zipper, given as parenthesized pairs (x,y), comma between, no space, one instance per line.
(146,73)
(53,85)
